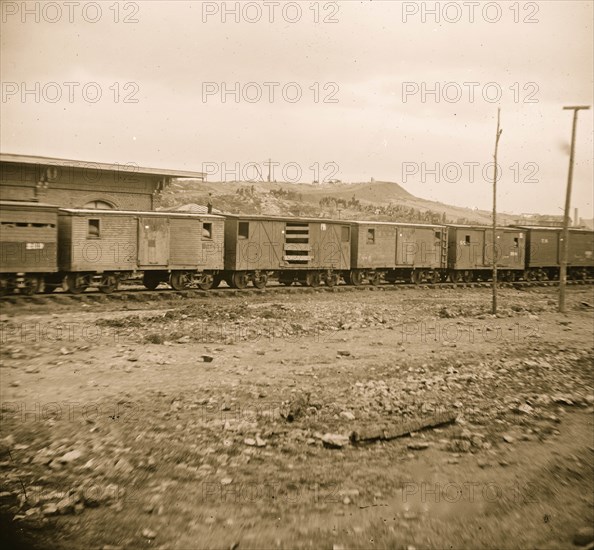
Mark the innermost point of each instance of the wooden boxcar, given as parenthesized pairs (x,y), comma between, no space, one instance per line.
(28,245)
(106,246)
(304,250)
(470,252)
(543,253)
(393,251)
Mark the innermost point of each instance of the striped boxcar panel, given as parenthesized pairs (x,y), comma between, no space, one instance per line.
(28,237)
(272,244)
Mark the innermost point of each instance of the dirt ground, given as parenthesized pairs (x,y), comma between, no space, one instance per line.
(222,421)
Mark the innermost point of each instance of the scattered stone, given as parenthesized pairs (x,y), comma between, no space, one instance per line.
(508,438)
(584,536)
(207,358)
(32,370)
(343,353)
(148,534)
(249,441)
(260,442)
(334,441)
(525,408)
(70,457)
(348,415)
(418,446)
(65,506)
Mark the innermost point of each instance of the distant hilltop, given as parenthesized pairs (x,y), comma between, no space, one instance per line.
(376,200)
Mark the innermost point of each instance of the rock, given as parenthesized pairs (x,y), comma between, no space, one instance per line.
(249,441)
(65,506)
(343,353)
(122,465)
(70,456)
(459,446)
(584,536)
(32,370)
(50,509)
(418,446)
(334,441)
(207,358)
(348,415)
(183,340)
(226,481)
(65,351)
(525,408)
(508,438)
(260,442)
(148,534)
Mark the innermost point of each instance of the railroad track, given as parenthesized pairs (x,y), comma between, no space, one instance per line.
(144,295)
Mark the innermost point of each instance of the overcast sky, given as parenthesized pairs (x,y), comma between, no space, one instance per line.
(372,60)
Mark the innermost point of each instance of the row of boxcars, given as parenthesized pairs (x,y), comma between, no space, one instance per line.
(44,247)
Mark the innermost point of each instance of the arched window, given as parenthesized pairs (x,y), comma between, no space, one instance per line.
(99,205)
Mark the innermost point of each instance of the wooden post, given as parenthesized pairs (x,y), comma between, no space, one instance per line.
(497,136)
(565,234)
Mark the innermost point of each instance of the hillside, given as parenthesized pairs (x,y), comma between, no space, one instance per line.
(379,200)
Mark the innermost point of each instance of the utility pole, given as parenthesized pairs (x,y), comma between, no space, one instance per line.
(269,168)
(497,136)
(565,237)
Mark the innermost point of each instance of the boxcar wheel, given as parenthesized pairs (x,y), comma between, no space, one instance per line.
(312,279)
(239,280)
(435,277)
(76,283)
(468,276)
(109,283)
(457,276)
(179,280)
(260,280)
(32,285)
(206,281)
(375,279)
(355,277)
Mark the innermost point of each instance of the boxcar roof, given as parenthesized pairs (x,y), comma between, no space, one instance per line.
(464,226)
(28,159)
(27,204)
(284,218)
(549,228)
(159,213)
(407,224)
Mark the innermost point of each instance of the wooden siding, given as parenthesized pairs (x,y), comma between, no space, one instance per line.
(268,247)
(28,239)
(117,248)
(471,248)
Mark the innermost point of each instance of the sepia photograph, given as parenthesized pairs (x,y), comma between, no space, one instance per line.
(305,274)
